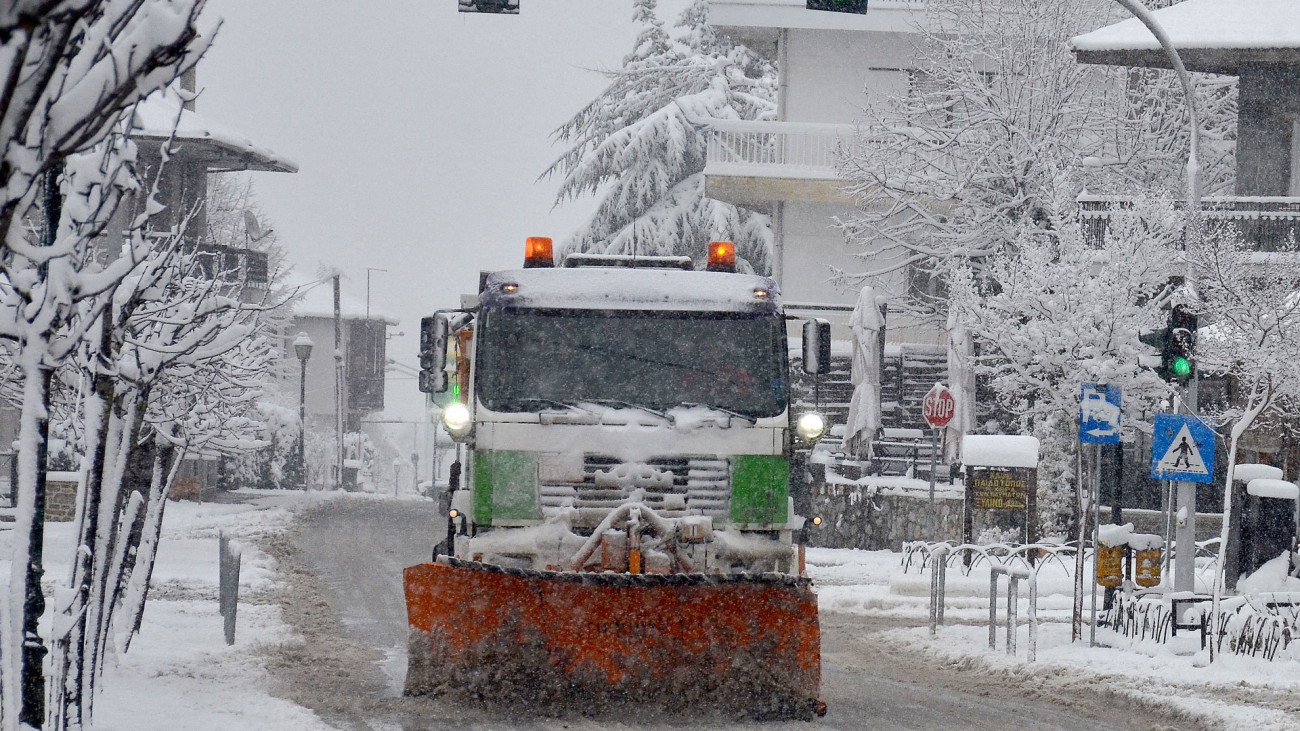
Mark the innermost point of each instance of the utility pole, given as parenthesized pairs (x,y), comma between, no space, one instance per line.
(338,386)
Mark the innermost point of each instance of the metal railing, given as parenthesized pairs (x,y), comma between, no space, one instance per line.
(776,149)
(937,555)
(1269,222)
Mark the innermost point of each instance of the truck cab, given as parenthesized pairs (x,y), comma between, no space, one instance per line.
(621,414)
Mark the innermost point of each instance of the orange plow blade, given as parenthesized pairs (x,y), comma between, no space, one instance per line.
(744,645)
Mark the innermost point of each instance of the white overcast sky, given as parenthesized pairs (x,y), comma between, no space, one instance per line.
(419,132)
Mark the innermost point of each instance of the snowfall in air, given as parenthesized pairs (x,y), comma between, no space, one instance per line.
(180,673)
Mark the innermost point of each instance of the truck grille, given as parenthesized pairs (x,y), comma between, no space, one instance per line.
(703,482)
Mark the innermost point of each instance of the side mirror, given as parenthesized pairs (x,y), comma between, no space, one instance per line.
(433,353)
(817,347)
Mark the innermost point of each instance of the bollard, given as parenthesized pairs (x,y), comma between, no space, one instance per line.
(228,584)
(993,608)
(1032,652)
(1014,577)
(1013,598)
(943,583)
(934,598)
(938,578)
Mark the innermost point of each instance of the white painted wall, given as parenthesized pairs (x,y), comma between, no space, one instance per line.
(827,72)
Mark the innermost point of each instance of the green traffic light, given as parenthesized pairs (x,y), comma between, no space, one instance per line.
(1181,367)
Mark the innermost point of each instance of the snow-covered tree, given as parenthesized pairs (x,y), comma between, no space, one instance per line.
(635,147)
(176,372)
(71,70)
(235,219)
(1249,305)
(1055,311)
(998,119)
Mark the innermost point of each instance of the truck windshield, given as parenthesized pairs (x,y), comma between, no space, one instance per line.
(528,360)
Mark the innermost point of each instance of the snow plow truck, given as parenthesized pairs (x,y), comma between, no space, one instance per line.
(624,533)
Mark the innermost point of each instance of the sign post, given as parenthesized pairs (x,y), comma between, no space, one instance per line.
(938,408)
(1182,450)
(1099,423)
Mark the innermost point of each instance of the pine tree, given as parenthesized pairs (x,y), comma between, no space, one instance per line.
(635,147)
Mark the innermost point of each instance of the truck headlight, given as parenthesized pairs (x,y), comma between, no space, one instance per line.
(456,419)
(810,426)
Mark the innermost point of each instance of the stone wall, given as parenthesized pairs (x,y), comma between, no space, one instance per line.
(61,496)
(855,516)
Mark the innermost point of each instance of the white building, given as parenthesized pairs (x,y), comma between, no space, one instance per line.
(828,63)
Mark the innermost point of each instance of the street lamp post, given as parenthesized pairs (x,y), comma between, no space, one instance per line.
(368,271)
(302,348)
(1184,545)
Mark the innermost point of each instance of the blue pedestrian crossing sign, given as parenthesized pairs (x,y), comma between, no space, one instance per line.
(1182,448)
(1099,414)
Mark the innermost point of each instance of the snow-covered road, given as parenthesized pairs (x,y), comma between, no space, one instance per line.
(322,629)
(345,557)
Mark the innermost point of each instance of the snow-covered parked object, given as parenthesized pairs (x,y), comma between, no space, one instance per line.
(1122,535)
(1277,489)
(864,408)
(1250,471)
(1114,535)
(999,450)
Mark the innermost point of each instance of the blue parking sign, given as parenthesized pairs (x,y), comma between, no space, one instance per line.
(1099,414)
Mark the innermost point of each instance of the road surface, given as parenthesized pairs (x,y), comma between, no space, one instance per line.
(343,566)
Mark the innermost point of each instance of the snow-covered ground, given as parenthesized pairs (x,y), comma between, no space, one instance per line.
(179,674)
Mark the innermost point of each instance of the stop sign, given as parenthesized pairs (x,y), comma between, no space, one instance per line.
(938,407)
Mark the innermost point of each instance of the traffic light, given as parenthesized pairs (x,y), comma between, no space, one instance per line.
(510,7)
(839,6)
(1176,343)
(1178,358)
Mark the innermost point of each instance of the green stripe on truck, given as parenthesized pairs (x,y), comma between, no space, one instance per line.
(505,486)
(760,488)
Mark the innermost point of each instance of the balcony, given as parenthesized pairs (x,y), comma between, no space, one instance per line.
(751,163)
(1267,221)
(247,266)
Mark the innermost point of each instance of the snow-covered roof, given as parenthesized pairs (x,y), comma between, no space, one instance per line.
(201,139)
(616,288)
(317,300)
(1217,36)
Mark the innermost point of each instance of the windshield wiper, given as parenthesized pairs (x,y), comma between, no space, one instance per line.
(627,405)
(728,412)
(553,402)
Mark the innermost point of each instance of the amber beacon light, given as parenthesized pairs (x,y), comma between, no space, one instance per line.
(537,252)
(722,256)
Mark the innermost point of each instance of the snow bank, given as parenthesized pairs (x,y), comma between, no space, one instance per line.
(1273,576)
(179,673)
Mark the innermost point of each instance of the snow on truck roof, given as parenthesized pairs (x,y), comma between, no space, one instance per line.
(620,288)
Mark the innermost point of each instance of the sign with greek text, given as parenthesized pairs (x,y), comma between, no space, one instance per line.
(998,489)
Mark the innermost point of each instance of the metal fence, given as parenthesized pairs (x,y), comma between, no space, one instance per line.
(1270,223)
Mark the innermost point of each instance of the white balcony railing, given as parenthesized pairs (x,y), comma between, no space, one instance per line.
(775,149)
(1268,222)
